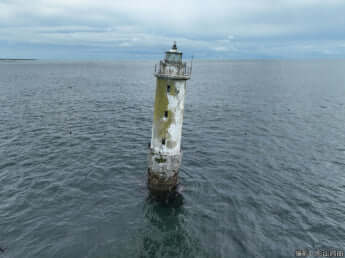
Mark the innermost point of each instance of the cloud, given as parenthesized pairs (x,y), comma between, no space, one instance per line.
(234,28)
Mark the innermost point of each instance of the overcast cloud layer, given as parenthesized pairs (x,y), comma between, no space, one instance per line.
(127,29)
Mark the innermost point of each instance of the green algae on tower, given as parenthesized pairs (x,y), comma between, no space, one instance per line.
(165,154)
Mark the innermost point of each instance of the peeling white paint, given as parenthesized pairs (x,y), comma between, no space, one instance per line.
(174,131)
(176,106)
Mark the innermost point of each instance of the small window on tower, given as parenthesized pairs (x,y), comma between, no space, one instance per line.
(168,88)
(163,141)
(166,114)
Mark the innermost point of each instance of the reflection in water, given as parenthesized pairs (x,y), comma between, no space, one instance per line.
(164,233)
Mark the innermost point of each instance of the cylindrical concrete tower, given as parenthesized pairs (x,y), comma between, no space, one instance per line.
(165,154)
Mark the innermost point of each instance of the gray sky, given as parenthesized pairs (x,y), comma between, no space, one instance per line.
(127,29)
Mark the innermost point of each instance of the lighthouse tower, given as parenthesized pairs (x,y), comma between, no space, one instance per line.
(165,154)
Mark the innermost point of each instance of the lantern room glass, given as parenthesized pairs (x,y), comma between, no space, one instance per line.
(173,57)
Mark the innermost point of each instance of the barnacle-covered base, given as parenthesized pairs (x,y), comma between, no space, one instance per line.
(162,174)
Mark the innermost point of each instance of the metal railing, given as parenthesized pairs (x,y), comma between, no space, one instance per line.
(173,70)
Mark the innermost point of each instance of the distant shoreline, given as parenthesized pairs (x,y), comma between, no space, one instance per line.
(18,59)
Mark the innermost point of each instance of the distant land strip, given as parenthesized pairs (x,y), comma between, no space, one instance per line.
(18,59)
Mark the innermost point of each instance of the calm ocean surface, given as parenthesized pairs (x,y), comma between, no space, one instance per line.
(263,167)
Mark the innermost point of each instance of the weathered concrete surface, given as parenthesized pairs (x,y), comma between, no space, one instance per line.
(160,183)
(163,172)
(164,164)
